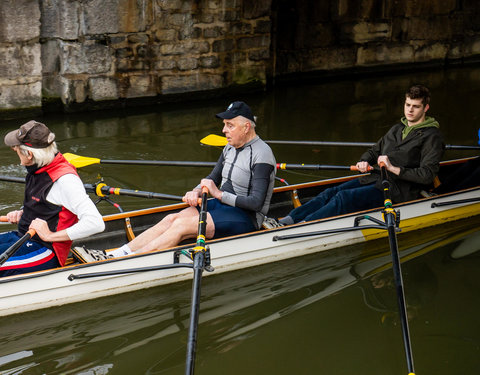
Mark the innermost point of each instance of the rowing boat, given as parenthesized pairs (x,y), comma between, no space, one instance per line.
(78,282)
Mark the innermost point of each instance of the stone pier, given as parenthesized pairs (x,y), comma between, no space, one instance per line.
(75,55)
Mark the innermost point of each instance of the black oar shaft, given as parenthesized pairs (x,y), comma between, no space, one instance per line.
(161,163)
(198,266)
(12,249)
(315,166)
(356,144)
(102,190)
(390,215)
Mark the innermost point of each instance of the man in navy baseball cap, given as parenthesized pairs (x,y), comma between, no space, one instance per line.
(237,109)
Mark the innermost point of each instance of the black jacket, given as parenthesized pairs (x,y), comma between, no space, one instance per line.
(418,157)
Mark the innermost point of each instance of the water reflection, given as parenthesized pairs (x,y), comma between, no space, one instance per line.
(145,332)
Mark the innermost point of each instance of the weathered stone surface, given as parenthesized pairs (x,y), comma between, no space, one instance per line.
(20,61)
(19,20)
(109,49)
(102,88)
(383,54)
(60,19)
(19,96)
(436,51)
(141,85)
(187,63)
(79,58)
(185,83)
(367,32)
(113,16)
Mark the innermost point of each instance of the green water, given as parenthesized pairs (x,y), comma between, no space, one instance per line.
(332,312)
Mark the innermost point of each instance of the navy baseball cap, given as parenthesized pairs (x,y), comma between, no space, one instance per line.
(236,109)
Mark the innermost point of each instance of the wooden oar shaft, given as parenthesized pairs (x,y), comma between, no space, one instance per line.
(389,214)
(12,249)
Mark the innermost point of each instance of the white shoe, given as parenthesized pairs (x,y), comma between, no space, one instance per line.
(85,255)
(270,223)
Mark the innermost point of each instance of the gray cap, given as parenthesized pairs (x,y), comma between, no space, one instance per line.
(33,134)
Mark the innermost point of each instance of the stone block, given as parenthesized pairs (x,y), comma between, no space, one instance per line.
(163,35)
(140,86)
(385,54)
(114,16)
(50,57)
(248,74)
(364,32)
(102,88)
(21,96)
(189,63)
(256,9)
(165,64)
(239,28)
(210,62)
(223,45)
(428,8)
(138,38)
(259,55)
(60,19)
(262,27)
(19,61)
(176,84)
(77,58)
(19,20)
(213,32)
(429,52)
(260,41)
(420,28)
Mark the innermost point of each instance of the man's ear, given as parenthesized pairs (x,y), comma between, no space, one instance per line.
(426,108)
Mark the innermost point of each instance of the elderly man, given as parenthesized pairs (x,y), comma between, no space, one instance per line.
(56,205)
(241,184)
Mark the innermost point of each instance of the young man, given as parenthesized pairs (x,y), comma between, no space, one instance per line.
(56,204)
(411,151)
(241,184)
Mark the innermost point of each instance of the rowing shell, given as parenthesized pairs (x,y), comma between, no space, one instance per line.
(77,282)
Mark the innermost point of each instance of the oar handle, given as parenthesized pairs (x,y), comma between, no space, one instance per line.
(355,168)
(199,201)
(3,219)
(12,249)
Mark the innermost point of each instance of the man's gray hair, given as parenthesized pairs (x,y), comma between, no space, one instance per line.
(41,156)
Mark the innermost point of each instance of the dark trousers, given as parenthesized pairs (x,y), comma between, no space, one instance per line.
(345,198)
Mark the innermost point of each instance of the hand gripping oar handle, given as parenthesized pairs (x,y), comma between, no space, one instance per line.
(390,218)
(12,249)
(198,266)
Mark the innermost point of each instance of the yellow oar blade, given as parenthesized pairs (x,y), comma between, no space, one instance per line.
(214,140)
(80,161)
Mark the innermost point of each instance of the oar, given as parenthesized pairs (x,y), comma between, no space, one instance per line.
(216,140)
(83,161)
(390,219)
(101,190)
(12,249)
(198,266)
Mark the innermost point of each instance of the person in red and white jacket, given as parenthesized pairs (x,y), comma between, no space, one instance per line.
(56,204)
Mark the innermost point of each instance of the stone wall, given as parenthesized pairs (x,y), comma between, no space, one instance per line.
(330,35)
(103,50)
(89,53)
